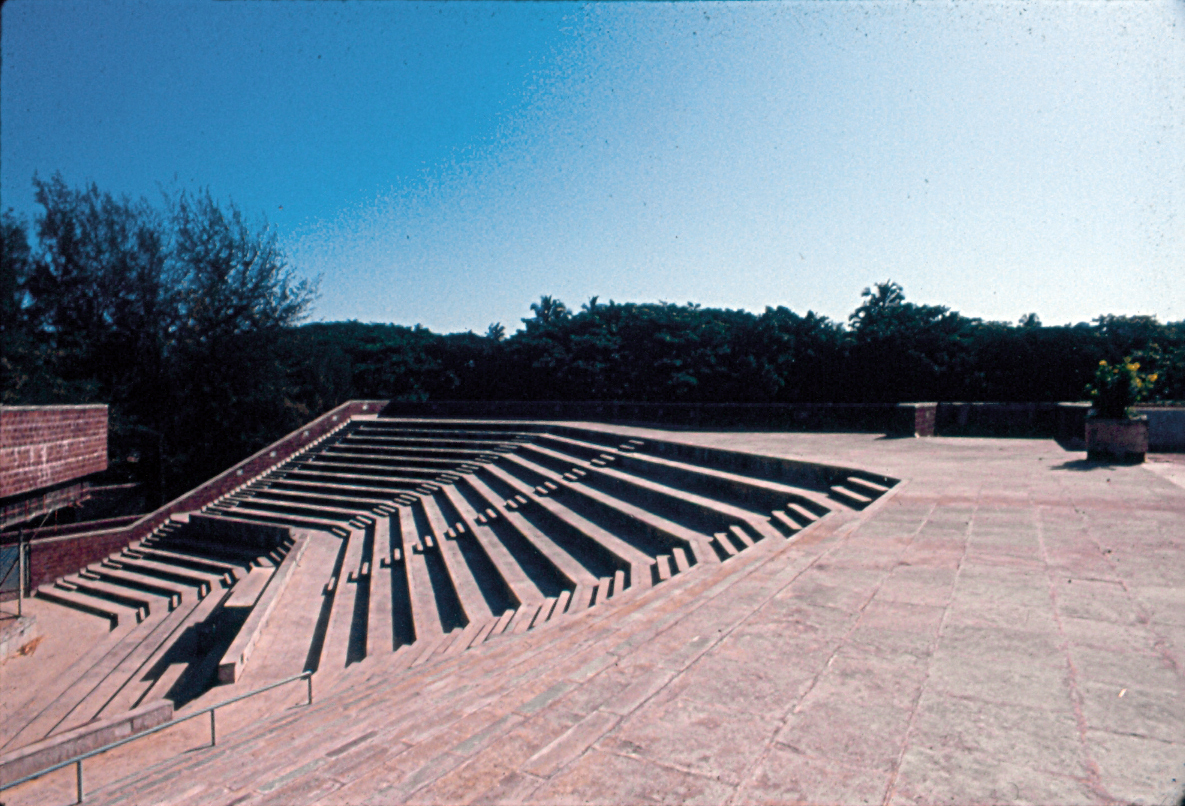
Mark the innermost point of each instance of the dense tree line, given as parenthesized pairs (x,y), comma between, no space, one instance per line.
(185,319)
(889,350)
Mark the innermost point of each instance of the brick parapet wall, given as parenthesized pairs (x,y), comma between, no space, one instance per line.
(52,557)
(42,446)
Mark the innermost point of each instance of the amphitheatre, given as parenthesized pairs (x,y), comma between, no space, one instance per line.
(496,610)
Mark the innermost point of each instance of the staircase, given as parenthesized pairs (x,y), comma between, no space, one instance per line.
(411,541)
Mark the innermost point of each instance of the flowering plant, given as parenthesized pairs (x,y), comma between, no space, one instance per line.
(1117,387)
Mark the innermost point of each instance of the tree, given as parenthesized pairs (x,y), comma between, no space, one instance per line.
(901,350)
(548,311)
(170,314)
(19,356)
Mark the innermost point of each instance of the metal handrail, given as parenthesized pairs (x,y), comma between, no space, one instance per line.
(77,760)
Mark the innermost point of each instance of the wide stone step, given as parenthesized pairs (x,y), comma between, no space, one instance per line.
(649,533)
(103,608)
(479,602)
(347,480)
(378,443)
(329,497)
(523,588)
(849,496)
(637,561)
(177,592)
(154,677)
(435,608)
(367,494)
(696,512)
(206,565)
(324,513)
(517,532)
(303,522)
(205,581)
(223,552)
(128,597)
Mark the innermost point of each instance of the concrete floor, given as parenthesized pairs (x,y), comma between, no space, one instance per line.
(1008,626)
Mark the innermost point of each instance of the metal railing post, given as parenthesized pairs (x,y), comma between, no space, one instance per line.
(310,679)
(213,735)
(78,780)
(20,573)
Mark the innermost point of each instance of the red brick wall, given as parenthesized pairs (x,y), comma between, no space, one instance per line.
(52,557)
(45,445)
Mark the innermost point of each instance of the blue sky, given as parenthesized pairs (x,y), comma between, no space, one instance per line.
(448,163)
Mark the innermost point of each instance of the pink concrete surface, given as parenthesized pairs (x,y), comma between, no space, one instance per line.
(1006,626)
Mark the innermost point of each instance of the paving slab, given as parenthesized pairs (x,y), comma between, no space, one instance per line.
(1007,626)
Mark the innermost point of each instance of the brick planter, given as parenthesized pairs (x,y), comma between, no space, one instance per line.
(1124,441)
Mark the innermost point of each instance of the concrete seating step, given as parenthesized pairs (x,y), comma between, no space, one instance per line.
(320,499)
(349,491)
(161,587)
(119,678)
(103,608)
(131,598)
(850,497)
(336,647)
(208,565)
(303,522)
(224,552)
(673,502)
(475,598)
(150,679)
(723,542)
(626,554)
(200,580)
(755,492)
(205,581)
(868,487)
(427,618)
(261,602)
(660,532)
(785,522)
(323,513)
(519,532)
(522,587)
(345,479)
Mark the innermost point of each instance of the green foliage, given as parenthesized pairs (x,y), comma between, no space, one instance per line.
(1117,387)
(170,314)
(183,317)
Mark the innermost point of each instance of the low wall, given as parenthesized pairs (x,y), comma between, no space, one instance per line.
(1047,420)
(1166,428)
(47,752)
(50,558)
(885,418)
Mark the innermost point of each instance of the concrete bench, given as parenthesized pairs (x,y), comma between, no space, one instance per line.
(239,651)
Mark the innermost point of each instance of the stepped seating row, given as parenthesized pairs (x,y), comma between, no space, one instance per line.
(164,597)
(453,533)
(435,536)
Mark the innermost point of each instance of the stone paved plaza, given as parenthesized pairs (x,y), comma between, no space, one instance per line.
(1005,626)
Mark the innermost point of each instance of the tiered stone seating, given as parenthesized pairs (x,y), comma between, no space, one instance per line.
(419,539)
(455,532)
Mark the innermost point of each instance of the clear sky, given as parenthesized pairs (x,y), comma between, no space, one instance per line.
(448,163)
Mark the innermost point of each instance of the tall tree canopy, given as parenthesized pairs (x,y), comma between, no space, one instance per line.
(170,313)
